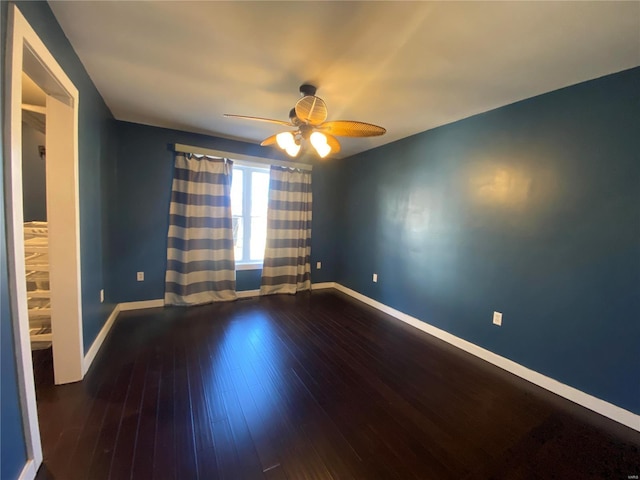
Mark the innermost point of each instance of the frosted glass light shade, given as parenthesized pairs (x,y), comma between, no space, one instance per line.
(285,139)
(293,149)
(323,150)
(319,142)
(317,139)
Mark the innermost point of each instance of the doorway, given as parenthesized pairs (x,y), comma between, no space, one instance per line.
(28,55)
(34,190)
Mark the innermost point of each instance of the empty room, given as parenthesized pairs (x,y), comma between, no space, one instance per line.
(320,240)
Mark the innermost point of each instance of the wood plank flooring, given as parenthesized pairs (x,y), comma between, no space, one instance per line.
(312,386)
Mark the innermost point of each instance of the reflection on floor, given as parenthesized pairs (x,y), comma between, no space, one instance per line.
(310,386)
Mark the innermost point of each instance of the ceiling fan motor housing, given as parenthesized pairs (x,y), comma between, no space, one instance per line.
(307,89)
(306,131)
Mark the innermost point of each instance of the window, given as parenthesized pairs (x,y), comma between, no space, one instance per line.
(249,198)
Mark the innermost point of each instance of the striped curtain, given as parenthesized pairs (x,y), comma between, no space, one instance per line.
(200,263)
(286,267)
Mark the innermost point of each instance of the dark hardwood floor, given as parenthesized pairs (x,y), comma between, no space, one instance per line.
(312,386)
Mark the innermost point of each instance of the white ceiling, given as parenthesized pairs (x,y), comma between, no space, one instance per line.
(34,101)
(407,66)
(32,94)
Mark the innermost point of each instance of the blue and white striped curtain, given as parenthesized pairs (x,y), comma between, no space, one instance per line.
(286,267)
(200,262)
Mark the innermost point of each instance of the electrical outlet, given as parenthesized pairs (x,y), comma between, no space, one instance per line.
(497,318)
(102,295)
(375,278)
(318,265)
(140,276)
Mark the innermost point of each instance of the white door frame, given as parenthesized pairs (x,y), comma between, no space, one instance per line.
(26,52)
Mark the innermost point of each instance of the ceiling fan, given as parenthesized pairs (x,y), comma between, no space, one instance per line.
(308,118)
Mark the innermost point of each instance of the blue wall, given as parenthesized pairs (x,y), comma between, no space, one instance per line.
(96,151)
(532,210)
(328,205)
(139,209)
(13,454)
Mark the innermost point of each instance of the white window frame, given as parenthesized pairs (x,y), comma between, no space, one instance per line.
(247,169)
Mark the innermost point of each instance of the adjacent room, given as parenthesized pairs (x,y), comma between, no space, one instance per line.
(323,240)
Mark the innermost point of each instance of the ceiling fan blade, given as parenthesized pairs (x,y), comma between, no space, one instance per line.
(269,140)
(350,128)
(260,119)
(311,109)
(333,143)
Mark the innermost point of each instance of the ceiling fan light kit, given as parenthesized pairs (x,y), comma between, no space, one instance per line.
(284,139)
(288,143)
(308,117)
(319,142)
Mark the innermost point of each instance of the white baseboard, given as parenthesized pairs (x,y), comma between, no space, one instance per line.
(595,404)
(323,285)
(126,306)
(29,471)
(97,343)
